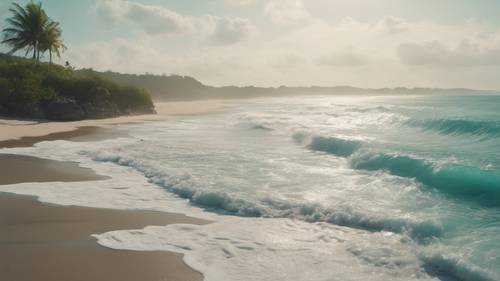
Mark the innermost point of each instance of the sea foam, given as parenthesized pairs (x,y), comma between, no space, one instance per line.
(185,187)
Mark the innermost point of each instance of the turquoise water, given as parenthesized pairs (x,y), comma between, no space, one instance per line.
(426,168)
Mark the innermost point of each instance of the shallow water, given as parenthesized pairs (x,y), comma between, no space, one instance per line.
(324,188)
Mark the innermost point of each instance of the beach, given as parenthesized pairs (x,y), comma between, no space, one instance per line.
(25,130)
(41,241)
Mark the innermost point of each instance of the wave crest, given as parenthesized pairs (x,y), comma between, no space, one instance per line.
(488,129)
(184,187)
(454,179)
(446,268)
(335,146)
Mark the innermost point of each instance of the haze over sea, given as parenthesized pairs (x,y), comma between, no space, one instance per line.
(317,188)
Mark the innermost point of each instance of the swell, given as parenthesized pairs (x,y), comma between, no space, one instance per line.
(485,129)
(459,180)
(184,187)
(370,109)
(456,179)
(335,146)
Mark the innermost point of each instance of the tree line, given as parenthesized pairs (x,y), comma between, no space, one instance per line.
(30,29)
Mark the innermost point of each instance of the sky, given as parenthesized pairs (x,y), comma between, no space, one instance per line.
(363,43)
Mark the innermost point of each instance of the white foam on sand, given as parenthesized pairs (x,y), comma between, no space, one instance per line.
(253,249)
(126,189)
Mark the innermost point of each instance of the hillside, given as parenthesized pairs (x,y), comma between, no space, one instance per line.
(175,87)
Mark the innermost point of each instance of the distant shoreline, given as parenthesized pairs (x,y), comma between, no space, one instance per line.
(186,88)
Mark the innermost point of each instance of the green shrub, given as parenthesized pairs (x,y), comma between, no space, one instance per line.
(130,97)
(25,84)
(4,90)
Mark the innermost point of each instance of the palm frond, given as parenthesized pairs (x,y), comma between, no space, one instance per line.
(31,29)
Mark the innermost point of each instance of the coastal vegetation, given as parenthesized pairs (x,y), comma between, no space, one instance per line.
(36,89)
(49,91)
(185,88)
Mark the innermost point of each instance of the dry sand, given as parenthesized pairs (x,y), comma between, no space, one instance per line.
(16,129)
(48,242)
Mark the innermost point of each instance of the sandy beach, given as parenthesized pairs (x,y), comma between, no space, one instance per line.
(49,242)
(25,130)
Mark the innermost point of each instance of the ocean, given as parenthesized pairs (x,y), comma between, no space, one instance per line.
(313,188)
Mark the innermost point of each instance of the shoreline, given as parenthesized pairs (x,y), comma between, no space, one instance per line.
(85,133)
(54,242)
(17,129)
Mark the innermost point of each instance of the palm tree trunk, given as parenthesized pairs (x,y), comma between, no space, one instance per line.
(36,55)
(34,51)
(50,56)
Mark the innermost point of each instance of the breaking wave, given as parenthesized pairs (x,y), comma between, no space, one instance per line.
(454,179)
(184,187)
(453,269)
(335,146)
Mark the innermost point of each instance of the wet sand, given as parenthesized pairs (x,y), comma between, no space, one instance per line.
(19,168)
(49,242)
(87,133)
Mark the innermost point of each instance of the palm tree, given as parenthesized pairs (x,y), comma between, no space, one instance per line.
(27,28)
(51,40)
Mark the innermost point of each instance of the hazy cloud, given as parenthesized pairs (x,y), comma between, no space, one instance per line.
(287,61)
(393,25)
(158,20)
(215,49)
(240,2)
(437,54)
(287,12)
(229,30)
(347,57)
(109,12)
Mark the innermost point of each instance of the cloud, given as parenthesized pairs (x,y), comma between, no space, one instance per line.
(229,30)
(109,12)
(393,25)
(240,2)
(126,56)
(287,61)
(299,49)
(287,12)
(348,57)
(437,54)
(158,20)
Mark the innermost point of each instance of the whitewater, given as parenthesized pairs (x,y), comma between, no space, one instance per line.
(306,188)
